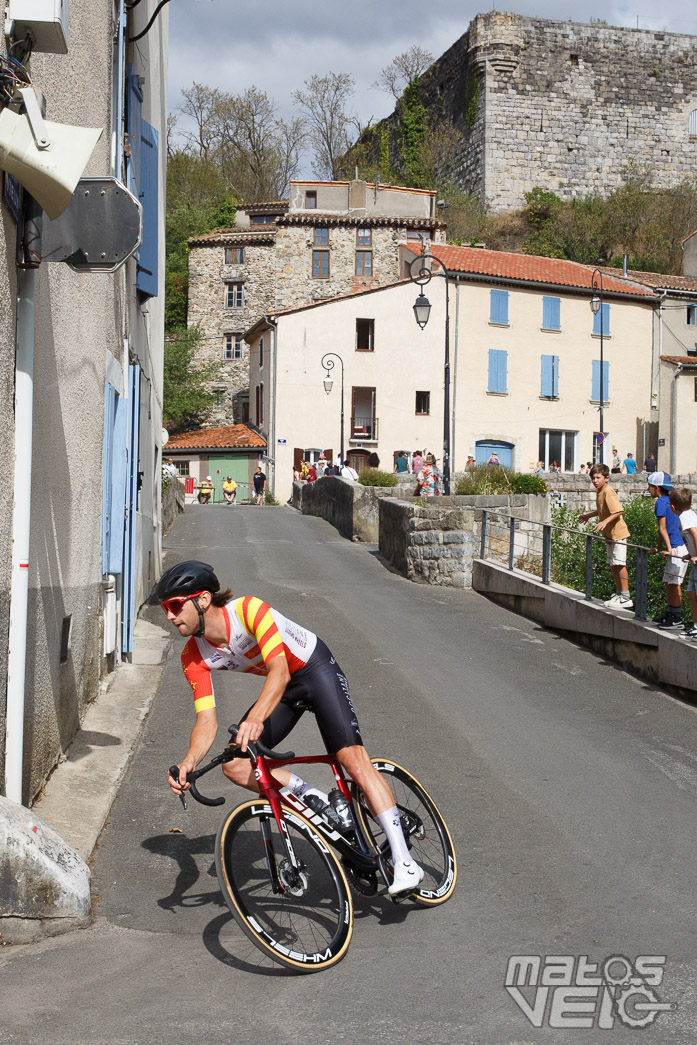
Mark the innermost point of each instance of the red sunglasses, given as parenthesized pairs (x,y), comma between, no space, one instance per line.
(175,605)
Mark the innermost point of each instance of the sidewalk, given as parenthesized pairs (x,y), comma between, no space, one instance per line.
(82,788)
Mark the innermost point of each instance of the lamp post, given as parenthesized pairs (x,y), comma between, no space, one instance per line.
(421,272)
(597,306)
(328,364)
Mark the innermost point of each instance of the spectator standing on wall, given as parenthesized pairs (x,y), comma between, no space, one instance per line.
(669,534)
(629,464)
(681,505)
(615,530)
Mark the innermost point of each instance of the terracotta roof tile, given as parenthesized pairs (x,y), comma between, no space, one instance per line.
(659,280)
(680,360)
(228,437)
(314,217)
(236,234)
(528,268)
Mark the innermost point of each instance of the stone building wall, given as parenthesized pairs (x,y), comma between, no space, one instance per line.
(563,105)
(277,274)
(208,276)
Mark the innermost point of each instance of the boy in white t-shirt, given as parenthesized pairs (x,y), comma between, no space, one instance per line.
(681,505)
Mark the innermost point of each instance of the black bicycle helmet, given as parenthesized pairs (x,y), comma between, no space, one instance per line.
(187,578)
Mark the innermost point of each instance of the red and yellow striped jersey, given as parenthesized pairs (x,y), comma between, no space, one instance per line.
(257,634)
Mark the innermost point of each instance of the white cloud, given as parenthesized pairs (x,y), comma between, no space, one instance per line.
(276,46)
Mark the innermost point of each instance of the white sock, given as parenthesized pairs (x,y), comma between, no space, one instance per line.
(300,788)
(392,826)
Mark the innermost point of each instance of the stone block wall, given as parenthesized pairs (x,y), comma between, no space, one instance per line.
(562,105)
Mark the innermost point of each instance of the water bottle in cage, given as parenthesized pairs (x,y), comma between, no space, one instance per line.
(342,810)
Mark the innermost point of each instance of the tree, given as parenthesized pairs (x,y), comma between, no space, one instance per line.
(323,105)
(258,153)
(198,200)
(187,399)
(403,70)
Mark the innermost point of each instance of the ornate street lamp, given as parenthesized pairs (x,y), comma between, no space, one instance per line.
(421,272)
(328,382)
(597,307)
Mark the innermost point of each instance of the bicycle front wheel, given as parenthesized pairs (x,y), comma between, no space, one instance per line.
(424,828)
(301,915)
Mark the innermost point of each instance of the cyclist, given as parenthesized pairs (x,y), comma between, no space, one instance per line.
(245,634)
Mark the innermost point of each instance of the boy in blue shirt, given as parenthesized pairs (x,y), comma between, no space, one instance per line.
(670,534)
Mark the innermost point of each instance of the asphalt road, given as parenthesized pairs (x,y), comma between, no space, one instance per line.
(568,785)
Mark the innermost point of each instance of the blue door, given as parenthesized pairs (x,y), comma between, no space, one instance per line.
(484,449)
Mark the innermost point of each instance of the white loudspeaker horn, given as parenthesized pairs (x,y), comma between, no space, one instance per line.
(49,174)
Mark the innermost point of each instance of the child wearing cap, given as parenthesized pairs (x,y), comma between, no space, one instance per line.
(612,525)
(669,534)
(681,505)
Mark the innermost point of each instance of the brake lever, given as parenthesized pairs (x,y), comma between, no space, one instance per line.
(174,773)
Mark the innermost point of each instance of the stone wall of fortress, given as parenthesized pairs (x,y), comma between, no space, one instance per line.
(564,106)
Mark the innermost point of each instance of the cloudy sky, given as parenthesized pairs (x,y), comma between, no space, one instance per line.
(276,46)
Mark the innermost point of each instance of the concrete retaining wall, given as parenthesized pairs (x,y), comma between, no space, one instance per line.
(660,657)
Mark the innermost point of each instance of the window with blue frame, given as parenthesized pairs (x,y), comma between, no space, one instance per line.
(142,177)
(499,307)
(692,315)
(498,370)
(551,313)
(605,312)
(595,386)
(549,387)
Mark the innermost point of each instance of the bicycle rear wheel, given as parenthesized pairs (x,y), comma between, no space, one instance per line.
(424,828)
(303,919)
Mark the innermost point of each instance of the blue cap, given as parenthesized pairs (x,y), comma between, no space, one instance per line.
(660,479)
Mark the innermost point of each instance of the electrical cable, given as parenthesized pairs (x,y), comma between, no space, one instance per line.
(13,75)
(133,39)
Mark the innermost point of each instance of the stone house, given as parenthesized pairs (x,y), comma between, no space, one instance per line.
(81,413)
(329,238)
(524,367)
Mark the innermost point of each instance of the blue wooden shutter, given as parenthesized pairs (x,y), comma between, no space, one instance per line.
(550,376)
(498,366)
(499,306)
(551,313)
(128,606)
(595,393)
(606,321)
(146,278)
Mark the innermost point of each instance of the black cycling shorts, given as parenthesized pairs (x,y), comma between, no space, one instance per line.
(322,688)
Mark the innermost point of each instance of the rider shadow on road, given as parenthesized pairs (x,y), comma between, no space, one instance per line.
(184,851)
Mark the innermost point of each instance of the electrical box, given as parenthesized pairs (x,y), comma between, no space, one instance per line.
(46,21)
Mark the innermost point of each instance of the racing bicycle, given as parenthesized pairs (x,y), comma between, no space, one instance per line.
(286,871)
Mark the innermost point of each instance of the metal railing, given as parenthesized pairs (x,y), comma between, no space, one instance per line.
(642,555)
(364,426)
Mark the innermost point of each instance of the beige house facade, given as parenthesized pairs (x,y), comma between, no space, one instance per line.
(525,366)
(328,239)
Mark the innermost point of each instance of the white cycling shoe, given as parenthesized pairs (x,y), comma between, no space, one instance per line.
(407,876)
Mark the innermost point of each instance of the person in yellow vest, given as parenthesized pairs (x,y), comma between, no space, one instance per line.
(229,490)
(205,490)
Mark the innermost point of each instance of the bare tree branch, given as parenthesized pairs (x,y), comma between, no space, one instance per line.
(405,68)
